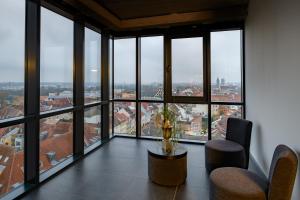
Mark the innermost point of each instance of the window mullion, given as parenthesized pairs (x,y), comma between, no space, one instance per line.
(32,91)
(78,87)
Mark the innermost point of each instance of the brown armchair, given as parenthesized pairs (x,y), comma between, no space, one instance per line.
(230,183)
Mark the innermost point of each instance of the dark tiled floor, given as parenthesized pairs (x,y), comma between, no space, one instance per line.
(118,171)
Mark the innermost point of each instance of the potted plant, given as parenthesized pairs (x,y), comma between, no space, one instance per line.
(166,120)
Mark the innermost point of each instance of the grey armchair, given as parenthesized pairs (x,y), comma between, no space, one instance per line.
(232,152)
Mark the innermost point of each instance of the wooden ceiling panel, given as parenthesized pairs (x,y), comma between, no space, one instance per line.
(130,9)
(120,15)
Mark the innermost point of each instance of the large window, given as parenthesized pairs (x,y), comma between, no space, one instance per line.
(56,140)
(92,63)
(182,84)
(125,118)
(11,158)
(12,43)
(125,68)
(110,120)
(226,66)
(191,121)
(56,90)
(187,67)
(32,138)
(220,114)
(149,127)
(12,52)
(92,125)
(110,69)
(226,80)
(152,65)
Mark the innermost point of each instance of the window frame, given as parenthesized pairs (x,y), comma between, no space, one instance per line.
(32,115)
(168,98)
(168,70)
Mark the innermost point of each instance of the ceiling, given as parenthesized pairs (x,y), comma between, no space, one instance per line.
(130,9)
(141,14)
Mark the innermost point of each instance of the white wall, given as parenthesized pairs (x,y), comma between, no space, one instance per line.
(273,78)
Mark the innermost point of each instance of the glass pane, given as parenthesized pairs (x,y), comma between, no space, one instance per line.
(191,121)
(187,67)
(124,118)
(12,45)
(11,158)
(92,66)
(152,67)
(92,125)
(226,66)
(110,119)
(148,116)
(220,114)
(56,140)
(110,63)
(124,68)
(56,61)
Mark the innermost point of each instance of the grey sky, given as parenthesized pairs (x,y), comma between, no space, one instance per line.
(56,47)
(57,52)
(187,60)
(92,56)
(226,56)
(152,61)
(124,63)
(12,40)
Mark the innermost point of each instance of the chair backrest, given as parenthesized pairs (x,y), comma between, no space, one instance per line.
(239,131)
(282,174)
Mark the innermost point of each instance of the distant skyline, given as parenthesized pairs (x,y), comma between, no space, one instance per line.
(57,52)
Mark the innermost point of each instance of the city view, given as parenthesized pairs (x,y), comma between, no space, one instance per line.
(56,132)
(192,119)
(56,92)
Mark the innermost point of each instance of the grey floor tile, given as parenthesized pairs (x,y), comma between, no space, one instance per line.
(118,171)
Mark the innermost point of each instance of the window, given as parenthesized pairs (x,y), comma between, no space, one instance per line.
(92,125)
(56,61)
(92,65)
(152,68)
(110,63)
(56,140)
(12,73)
(191,121)
(220,114)
(110,120)
(148,117)
(226,85)
(187,67)
(11,158)
(12,45)
(124,68)
(125,118)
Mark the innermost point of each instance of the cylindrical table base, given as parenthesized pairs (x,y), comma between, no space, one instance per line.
(167,172)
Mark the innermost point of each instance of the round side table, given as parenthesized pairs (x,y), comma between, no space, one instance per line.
(168,169)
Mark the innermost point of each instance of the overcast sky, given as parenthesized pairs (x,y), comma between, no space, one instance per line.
(57,52)
(12,28)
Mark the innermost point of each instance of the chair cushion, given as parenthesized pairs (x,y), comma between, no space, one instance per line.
(224,153)
(230,183)
(224,145)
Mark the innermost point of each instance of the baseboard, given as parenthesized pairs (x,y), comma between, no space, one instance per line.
(256,168)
